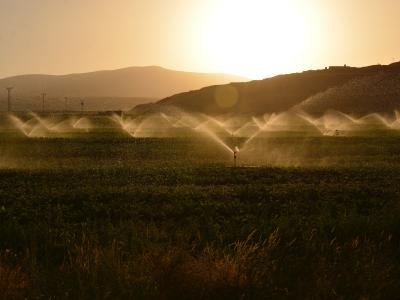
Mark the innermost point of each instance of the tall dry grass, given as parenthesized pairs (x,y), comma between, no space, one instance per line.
(273,268)
(14,281)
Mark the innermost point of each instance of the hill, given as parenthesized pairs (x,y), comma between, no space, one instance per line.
(135,82)
(376,93)
(309,90)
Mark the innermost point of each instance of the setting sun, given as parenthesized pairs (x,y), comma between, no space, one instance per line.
(254,37)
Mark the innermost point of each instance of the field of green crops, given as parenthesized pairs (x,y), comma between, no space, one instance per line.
(107,216)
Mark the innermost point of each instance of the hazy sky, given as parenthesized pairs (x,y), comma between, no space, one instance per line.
(253,38)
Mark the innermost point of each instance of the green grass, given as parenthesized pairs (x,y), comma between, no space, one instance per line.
(110,217)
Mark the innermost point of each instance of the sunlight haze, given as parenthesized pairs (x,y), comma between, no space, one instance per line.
(252,38)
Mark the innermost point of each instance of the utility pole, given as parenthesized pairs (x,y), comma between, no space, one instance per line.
(43,97)
(65,104)
(9,89)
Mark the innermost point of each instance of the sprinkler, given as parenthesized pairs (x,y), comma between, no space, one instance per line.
(235,152)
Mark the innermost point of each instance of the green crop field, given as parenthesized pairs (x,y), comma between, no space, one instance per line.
(106,216)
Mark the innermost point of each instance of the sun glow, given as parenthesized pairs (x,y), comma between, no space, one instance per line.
(257,38)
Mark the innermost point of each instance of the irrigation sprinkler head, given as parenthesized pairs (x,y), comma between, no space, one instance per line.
(235,152)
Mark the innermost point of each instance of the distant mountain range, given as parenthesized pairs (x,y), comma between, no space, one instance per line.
(112,89)
(351,90)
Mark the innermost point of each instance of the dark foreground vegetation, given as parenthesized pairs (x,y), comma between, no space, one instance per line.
(116,218)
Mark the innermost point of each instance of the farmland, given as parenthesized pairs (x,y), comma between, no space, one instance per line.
(103,215)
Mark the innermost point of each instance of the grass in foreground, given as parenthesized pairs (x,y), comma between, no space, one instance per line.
(159,219)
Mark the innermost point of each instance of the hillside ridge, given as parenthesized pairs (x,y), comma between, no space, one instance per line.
(286,92)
